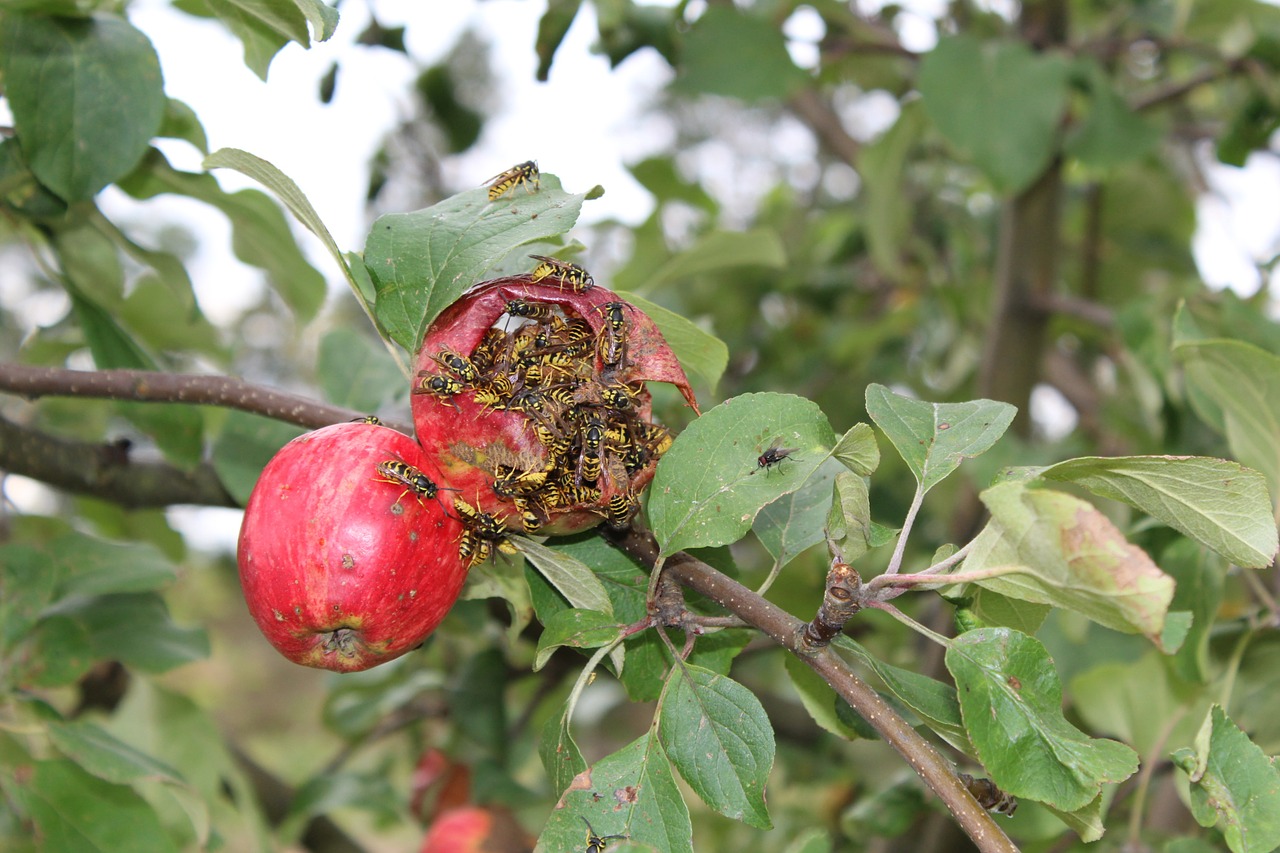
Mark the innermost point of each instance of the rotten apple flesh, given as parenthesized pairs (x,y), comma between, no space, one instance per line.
(347,555)
(533,397)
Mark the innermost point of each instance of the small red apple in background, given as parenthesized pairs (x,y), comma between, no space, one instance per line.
(343,569)
(475,829)
(548,383)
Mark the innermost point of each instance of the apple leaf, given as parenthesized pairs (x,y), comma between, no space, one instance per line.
(560,755)
(796,520)
(1069,555)
(709,486)
(933,438)
(718,736)
(574,579)
(1234,785)
(580,629)
(1220,504)
(422,261)
(631,793)
(1011,700)
(857,450)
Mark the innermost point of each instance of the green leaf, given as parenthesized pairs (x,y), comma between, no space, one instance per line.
(356,371)
(849,520)
(73,810)
(421,262)
(355,705)
(857,450)
(560,755)
(818,698)
(288,192)
(85,565)
(479,688)
(795,521)
(700,353)
(1134,701)
(581,629)
(26,588)
(1069,555)
(136,630)
(1011,700)
(371,792)
(106,756)
(1235,786)
(998,102)
(575,580)
(1111,134)
(244,447)
(552,27)
(718,736)
(630,792)
(882,167)
(932,701)
(709,488)
(260,233)
(722,250)
(86,96)
(60,652)
(934,438)
(264,26)
(1244,381)
(1199,576)
(1218,503)
(712,53)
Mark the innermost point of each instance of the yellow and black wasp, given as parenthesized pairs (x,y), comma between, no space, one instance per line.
(459,365)
(490,350)
(620,509)
(522,173)
(989,796)
(403,474)
(440,387)
(611,345)
(370,420)
(482,533)
(596,843)
(577,279)
(529,310)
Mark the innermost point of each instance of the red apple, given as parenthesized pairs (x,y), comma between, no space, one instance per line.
(344,567)
(570,457)
(472,829)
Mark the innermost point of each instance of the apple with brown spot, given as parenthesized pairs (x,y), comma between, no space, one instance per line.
(347,556)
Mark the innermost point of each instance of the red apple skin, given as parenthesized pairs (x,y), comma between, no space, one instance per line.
(342,570)
(460,328)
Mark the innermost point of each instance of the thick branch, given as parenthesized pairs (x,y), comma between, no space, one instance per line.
(810,108)
(152,387)
(787,631)
(106,471)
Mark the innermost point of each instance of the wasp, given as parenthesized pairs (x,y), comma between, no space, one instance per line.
(619,397)
(533,512)
(403,474)
(989,796)
(371,420)
(438,386)
(459,365)
(773,455)
(493,392)
(620,509)
(522,173)
(574,276)
(510,482)
(492,345)
(596,843)
(568,496)
(529,310)
(589,465)
(612,343)
(484,532)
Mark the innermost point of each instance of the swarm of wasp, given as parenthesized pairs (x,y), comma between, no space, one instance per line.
(536,387)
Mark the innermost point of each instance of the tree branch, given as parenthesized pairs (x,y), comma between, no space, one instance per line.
(106,471)
(154,387)
(787,631)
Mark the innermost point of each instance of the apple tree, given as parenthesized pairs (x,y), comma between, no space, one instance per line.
(753,524)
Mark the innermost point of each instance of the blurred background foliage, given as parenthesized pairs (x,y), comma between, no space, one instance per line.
(1008,214)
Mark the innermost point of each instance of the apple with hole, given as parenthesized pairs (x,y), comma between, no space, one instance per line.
(348,557)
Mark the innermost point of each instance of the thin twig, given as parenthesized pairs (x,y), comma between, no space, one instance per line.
(895,562)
